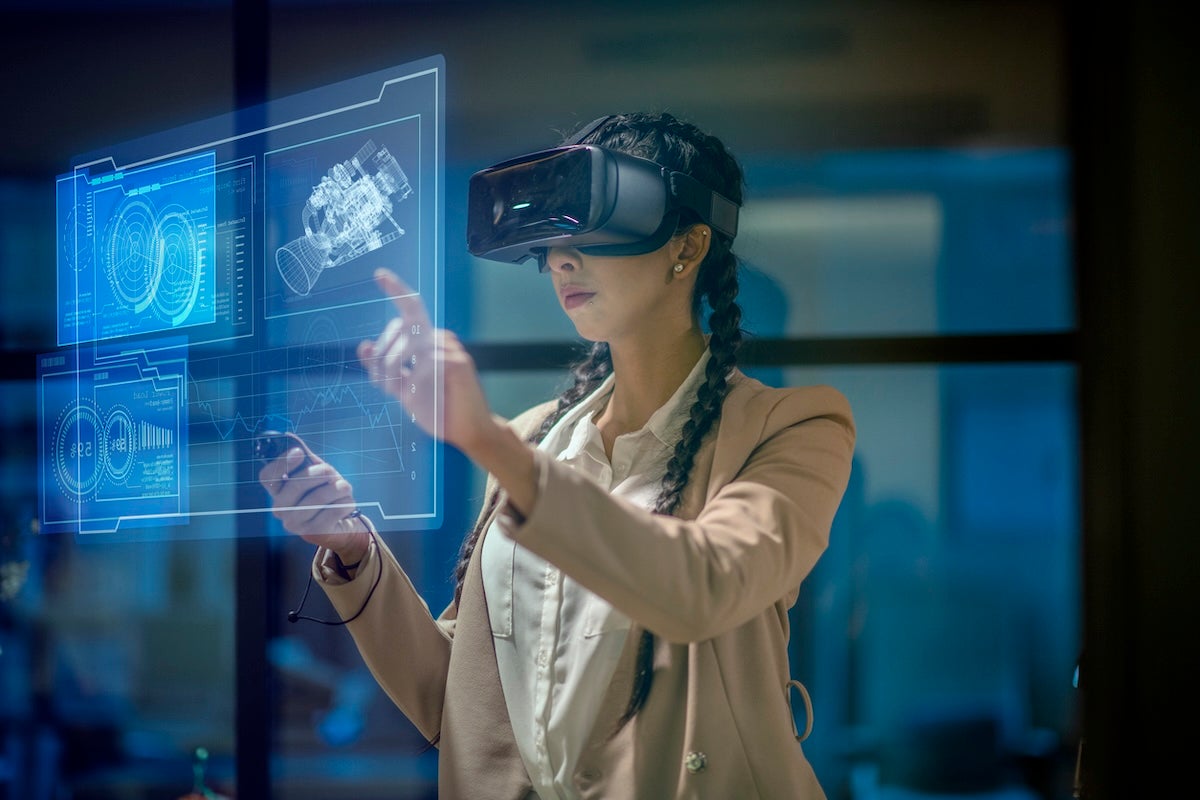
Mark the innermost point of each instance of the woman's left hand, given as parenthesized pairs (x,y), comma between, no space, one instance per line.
(402,363)
(314,501)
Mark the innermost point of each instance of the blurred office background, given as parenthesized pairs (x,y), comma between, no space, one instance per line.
(976,219)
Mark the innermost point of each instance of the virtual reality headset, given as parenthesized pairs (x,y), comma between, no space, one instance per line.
(598,201)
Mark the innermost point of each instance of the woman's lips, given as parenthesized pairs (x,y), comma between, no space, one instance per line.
(574,298)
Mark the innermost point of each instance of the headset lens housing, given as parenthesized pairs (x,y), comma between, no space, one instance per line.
(544,197)
(600,201)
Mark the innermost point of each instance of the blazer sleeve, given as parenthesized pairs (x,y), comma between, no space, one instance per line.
(764,524)
(406,649)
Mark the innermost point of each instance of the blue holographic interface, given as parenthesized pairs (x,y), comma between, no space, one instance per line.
(114,446)
(213,283)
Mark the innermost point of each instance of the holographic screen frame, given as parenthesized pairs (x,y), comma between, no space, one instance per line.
(213,282)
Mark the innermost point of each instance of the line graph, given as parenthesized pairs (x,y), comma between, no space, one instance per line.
(316,389)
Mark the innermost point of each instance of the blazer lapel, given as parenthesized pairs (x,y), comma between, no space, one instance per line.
(475,725)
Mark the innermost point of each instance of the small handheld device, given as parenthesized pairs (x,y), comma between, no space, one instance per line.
(270,445)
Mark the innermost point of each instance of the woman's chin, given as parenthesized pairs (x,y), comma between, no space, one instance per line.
(588,332)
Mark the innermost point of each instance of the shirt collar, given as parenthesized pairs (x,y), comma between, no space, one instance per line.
(665,424)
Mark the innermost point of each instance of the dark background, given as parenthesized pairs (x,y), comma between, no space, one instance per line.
(1113,87)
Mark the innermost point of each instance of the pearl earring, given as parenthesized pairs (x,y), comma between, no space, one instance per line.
(678,268)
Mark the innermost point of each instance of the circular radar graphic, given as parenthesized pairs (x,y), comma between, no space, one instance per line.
(79,450)
(133,253)
(120,444)
(75,242)
(179,284)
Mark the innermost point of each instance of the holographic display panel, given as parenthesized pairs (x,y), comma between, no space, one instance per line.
(214,282)
(134,249)
(113,445)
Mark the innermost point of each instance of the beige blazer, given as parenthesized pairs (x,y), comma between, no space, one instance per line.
(715,585)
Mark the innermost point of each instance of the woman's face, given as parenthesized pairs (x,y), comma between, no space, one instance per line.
(621,298)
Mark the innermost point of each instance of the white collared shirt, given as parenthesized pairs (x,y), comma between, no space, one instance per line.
(557,644)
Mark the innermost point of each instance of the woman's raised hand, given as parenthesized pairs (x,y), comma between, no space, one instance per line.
(403,362)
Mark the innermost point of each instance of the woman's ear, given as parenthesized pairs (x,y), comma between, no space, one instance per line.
(693,245)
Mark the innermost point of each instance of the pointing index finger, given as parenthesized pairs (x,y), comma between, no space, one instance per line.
(406,300)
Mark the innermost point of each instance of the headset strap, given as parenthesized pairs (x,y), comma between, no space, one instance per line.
(713,207)
(589,129)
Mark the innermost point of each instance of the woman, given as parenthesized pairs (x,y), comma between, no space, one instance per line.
(619,627)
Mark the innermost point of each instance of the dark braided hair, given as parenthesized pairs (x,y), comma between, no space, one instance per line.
(682,147)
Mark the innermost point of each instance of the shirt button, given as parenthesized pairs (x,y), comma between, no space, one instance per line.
(695,762)
(542,658)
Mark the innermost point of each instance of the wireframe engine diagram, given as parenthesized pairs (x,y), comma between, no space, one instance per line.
(349,213)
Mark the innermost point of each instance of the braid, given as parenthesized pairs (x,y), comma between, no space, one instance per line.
(588,374)
(724,322)
(679,145)
(725,325)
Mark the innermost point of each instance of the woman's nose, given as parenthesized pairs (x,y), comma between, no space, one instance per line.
(558,259)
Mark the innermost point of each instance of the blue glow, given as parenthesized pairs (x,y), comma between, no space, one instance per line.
(135,249)
(252,240)
(112,437)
